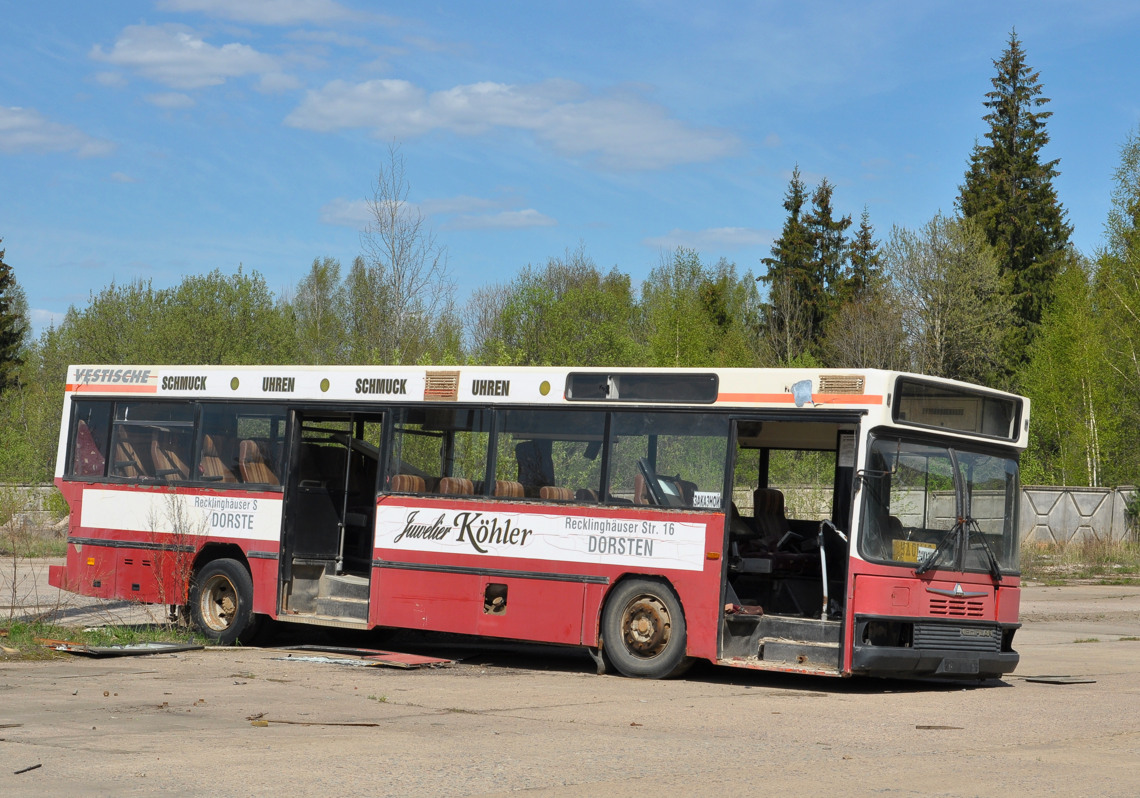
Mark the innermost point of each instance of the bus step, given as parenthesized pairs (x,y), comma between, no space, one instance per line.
(344,586)
(342,607)
(798,652)
(809,630)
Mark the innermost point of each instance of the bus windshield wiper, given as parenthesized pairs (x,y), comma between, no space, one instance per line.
(928,563)
(971,527)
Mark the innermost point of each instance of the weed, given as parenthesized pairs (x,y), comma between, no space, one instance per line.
(383,699)
(1087,640)
(1096,559)
(30,639)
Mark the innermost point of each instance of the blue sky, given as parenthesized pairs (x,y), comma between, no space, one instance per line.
(167,137)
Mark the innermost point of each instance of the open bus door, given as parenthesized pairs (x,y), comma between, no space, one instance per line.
(788,552)
(330,505)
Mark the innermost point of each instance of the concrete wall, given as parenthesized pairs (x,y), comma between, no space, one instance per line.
(29,503)
(1061,515)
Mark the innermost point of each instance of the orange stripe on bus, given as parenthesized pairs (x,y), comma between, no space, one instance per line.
(100,388)
(816,398)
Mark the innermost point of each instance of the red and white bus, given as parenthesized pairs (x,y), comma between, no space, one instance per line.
(812,520)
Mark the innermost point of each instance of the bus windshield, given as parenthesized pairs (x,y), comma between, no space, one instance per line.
(929,505)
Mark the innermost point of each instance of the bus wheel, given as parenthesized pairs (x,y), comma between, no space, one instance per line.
(221,601)
(643,630)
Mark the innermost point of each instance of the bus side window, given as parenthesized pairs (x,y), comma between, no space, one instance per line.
(90,437)
(668,459)
(552,455)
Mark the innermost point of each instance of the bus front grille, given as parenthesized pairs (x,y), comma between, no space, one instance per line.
(957,638)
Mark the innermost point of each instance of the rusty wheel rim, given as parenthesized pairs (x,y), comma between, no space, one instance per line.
(219,603)
(646,626)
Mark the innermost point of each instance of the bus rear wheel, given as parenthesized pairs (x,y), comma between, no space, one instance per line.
(643,630)
(221,601)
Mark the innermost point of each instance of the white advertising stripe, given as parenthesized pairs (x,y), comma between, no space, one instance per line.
(182,515)
(542,536)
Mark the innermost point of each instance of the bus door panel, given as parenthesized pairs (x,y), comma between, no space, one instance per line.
(329,509)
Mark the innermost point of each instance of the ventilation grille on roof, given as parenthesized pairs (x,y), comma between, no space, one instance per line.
(841,383)
(441,386)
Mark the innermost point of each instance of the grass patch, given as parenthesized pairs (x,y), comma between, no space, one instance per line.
(27,638)
(28,544)
(1115,562)
(1087,640)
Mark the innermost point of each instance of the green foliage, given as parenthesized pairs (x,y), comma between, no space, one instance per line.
(318,314)
(13,325)
(696,315)
(1008,191)
(1068,382)
(952,296)
(567,313)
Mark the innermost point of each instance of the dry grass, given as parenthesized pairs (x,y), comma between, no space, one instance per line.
(1088,559)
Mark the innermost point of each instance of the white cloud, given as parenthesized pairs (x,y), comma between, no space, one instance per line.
(177,57)
(504,220)
(122,177)
(172,100)
(712,238)
(346,213)
(621,131)
(265,12)
(276,82)
(460,204)
(27,130)
(113,80)
(42,318)
(466,213)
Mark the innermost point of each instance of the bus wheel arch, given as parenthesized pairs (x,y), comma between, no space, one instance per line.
(643,630)
(221,598)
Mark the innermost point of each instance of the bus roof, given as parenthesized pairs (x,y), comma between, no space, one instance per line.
(871,391)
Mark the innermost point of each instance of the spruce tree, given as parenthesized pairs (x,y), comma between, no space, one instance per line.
(1008,192)
(865,258)
(790,283)
(829,256)
(13,325)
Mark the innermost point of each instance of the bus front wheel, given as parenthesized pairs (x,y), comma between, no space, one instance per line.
(221,601)
(643,630)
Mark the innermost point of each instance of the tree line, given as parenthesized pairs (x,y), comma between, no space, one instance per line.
(993,293)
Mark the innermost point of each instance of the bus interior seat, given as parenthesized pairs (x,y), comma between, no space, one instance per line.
(555,493)
(456,486)
(768,510)
(586,495)
(508,489)
(167,462)
(127,462)
(212,466)
(535,464)
(406,483)
(89,461)
(640,493)
(252,465)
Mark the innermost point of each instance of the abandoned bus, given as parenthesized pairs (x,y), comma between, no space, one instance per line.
(810,520)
